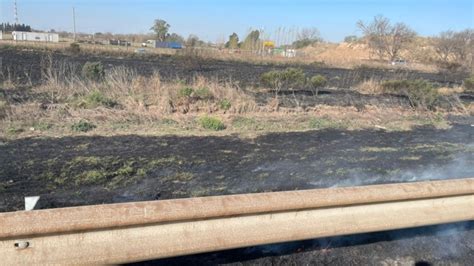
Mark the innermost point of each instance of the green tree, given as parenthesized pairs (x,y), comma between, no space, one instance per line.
(233,42)
(160,27)
(174,37)
(252,40)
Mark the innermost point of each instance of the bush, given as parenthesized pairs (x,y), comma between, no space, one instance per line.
(420,93)
(74,48)
(96,99)
(469,83)
(318,81)
(185,92)
(203,94)
(225,104)
(289,78)
(82,126)
(211,123)
(93,71)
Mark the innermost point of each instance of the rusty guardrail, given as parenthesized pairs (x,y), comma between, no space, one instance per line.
(118,233)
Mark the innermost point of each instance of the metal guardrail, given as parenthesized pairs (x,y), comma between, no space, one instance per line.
(119,233)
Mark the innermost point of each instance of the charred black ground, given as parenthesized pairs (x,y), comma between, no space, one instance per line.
(83,170)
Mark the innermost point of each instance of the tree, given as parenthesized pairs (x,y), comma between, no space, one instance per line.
(385,39)
(160,27)
(174,37)
(193,41)
(252,41)
(454,49)
(444,45)
(233,42)
(350,39)
(307,37)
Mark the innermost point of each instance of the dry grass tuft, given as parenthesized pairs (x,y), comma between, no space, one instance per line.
(369,86)
(450,91)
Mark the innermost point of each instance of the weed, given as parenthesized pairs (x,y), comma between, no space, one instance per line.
(73,48)
(93,71)
(90,177)
(82,126)
(203,94)
(225,104)
(321,123)
(96,99)
(469,83)
(42,126)
(185,92)
(211,123)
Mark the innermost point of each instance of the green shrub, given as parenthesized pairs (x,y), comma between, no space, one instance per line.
(96,99)
(82,126)
(318,81)
(74,48)
(321,123)
(93,71)
(225,104)
(185,92)
(420,93)
(211,123)
(469,83)
(203,94)
(289,78)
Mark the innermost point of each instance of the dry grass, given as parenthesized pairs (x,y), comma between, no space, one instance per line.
(370,86)
(343,55)
(149,106)
(450,91)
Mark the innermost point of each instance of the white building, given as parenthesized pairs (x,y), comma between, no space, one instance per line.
(1,35)
(35,36)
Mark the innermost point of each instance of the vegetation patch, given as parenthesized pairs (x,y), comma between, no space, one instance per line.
(469,84)
(93,71)
(420,93)
(225,104)
(82,126)
(96,99)
(378,149)
(211,123)
(322,122)
(289,79)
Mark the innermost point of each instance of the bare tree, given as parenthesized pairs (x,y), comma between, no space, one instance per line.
(385,39)
(444,45)
(454,49)
(307,37)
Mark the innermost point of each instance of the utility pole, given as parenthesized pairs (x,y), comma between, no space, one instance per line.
(15,12)
(74,21)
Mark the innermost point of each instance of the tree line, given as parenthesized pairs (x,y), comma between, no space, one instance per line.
(14,27)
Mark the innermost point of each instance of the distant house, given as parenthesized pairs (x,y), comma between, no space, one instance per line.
(35,36)
(1,35)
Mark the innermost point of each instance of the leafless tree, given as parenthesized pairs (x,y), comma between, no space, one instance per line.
(385,39)
(308,34)
(444,45)
(454,49)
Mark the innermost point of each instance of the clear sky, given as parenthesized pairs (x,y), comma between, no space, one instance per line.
(214,20)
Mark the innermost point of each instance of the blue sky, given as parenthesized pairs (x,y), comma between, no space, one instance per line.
(213,20)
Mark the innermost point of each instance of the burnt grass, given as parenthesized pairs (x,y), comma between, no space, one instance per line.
(83,170)
(27,65)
